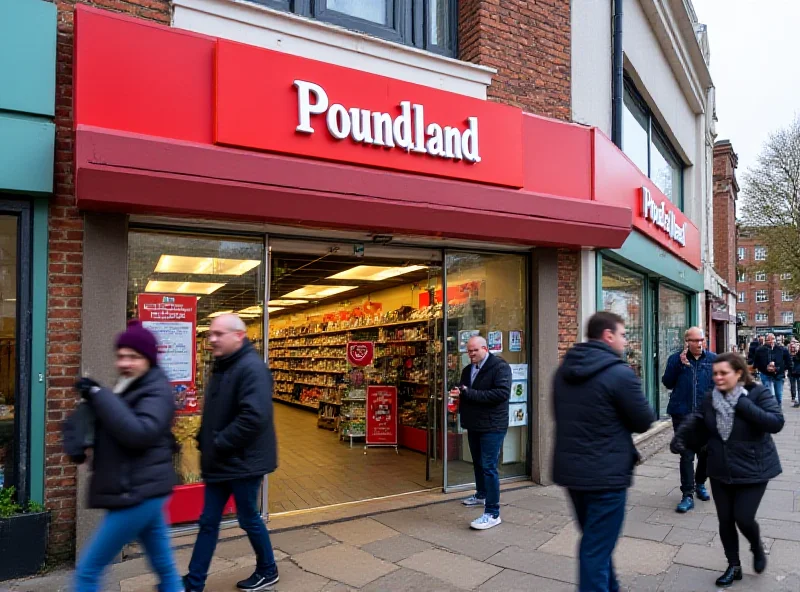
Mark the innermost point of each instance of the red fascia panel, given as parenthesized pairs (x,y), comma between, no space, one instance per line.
(125,172)
(558,157)
(619,182)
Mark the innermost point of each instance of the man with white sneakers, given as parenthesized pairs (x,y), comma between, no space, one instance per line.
(483,394)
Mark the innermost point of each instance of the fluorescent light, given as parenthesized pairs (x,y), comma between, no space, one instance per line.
(204,265)
(202,328)
(274,308)
(281,302)
(214,315)
(316,292)
(182,287)
(10,300)
(374,273)
(251,310)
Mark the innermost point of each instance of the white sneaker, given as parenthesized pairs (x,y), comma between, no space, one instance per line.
(474,501)
(484,522)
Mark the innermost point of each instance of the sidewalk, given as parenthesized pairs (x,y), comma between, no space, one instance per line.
(431,548)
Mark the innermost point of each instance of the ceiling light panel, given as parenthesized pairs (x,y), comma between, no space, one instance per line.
(204,265)
(250,310)
(182,287)
(374,273)
(274,308)
(317,292)
(214,315)
(283,302)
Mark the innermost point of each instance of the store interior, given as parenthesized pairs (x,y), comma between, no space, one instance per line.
(8,345)
(321,297)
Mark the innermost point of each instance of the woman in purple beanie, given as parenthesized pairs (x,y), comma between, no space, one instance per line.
(133,474)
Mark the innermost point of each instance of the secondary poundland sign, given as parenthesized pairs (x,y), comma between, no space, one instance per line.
(663,217)
(271,101)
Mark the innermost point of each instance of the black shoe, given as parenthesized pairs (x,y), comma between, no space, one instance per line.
(186,586)
(759,558)
(734,572)
(796,405)
(260,582)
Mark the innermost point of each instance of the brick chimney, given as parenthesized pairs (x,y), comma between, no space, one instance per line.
(726,190)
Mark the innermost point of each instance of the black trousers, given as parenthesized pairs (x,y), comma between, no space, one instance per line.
(689,476)
(737,506)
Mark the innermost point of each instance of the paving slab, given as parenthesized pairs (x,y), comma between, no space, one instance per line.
(679,536)
(358,532)
(408,580)
(689,520)
(509,580)
(344,563)
(537,563)
(565,543)
(706,557)
(642,556)
(521,516)
(396,548)
(452,568)
(543,504)
(301,540)
(645,530)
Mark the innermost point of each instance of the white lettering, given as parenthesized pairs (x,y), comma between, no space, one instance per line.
(338,121)
(452,143)
(402,127)
(469,141)
(362,128)
(665,220)
(419,129)
(382,126)
(304,107)
(436,142)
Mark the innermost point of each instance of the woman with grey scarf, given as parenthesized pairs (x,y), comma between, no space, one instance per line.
(735,423)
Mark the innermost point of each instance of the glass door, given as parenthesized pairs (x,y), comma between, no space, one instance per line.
(14,346)
(487,295)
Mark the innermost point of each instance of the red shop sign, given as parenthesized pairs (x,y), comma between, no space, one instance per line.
(173,320)
(381,415)
(360,353)
(268,100)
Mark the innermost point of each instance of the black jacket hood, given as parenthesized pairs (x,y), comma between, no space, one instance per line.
(588,359)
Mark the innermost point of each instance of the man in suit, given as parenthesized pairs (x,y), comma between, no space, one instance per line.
(483,394)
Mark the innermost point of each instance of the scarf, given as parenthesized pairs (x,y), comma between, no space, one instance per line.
(123,383)
(725,407)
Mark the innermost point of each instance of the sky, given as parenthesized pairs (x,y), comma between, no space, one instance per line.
(755,66)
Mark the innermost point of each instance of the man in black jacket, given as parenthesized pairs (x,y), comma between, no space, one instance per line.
(772,361)
(237,447)
(598,403)
(483,395)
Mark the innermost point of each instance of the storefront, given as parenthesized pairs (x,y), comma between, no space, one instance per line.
(653,281)
(27,137)
(363,227)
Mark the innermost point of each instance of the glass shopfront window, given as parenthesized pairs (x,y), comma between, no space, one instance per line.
(177,284)
(487,295)
(673,320)
(623,294)
(8,349)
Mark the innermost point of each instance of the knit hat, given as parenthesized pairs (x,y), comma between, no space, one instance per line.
(139,339)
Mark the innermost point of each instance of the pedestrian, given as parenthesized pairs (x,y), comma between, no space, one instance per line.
(237,447)
(689,375)
(772,361)
(132,469)
(483,394)
(794,372)
(598,403)
(736,422)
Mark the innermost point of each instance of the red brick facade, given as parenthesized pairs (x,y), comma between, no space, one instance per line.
(726,190)
(528,42)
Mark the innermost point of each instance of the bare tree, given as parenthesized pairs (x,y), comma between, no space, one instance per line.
(771,204)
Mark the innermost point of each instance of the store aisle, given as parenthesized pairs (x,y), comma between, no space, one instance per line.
(316,469)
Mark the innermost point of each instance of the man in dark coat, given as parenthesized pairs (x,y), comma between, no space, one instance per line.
(772,361)
(757,342)
(598,403)
(483,395)
(689,375)
(237,447)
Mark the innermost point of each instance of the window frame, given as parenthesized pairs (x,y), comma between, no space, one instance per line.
(741,253)
(741,297)
(785,314)
(761,276)
(760,250)
(763,293)
(787,296)
(654,130)
(408,26)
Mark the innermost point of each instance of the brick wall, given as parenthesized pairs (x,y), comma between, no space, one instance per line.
(726,191)
(528,43)
(64,286)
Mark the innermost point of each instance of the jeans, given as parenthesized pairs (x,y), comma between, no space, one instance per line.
(775,384)
(143,522)
(737,506)
(485,450)
(794,385)
(600,516)
(245,494)
(689,476)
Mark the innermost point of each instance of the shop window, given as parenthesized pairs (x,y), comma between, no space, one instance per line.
(760,253)
(8,350)
(786,296)
(647,146)
(488,295)
(623,294)
(177,284)
(673,320)
(426,24)
(742,317)
(761,296)
(761,317)
(787,317)
(741,296)
(761,277)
